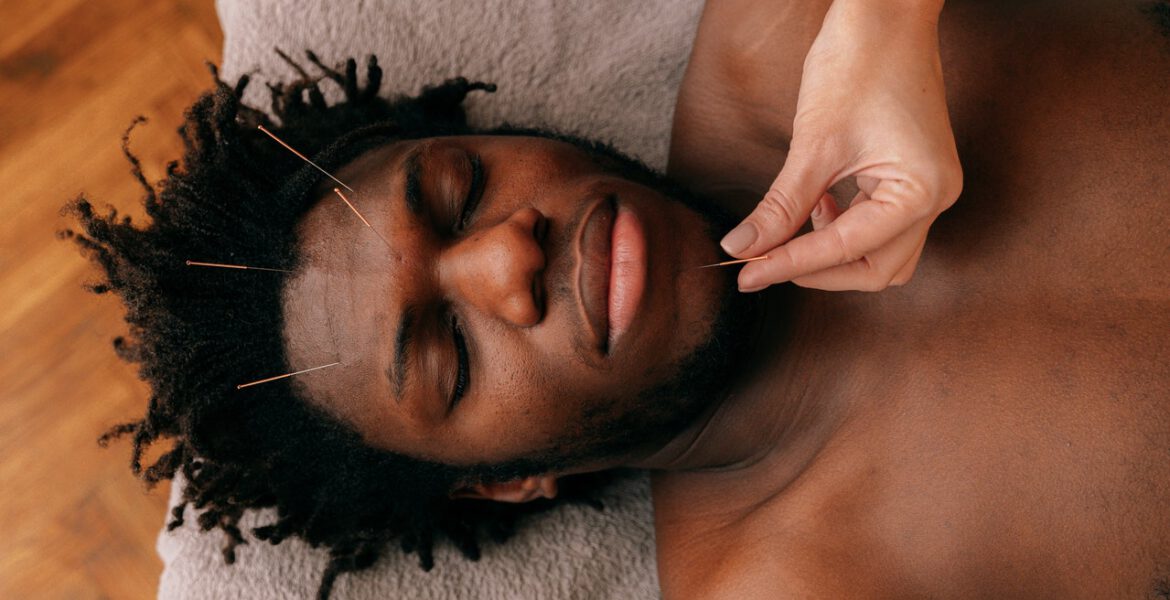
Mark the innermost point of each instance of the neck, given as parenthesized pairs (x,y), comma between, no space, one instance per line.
(781,405)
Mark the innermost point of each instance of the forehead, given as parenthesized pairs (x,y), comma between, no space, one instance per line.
(339,254)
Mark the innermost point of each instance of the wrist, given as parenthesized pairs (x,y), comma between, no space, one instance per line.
(903,23)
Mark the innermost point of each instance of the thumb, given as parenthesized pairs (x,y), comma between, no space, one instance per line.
(783,210)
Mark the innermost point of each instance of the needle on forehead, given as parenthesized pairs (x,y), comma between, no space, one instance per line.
(259,381)
(302,157)
(359,215)
(733,262)
(195,263)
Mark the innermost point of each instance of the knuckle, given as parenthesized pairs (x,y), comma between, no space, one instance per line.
(950,187)
(785,256)
(946,185)
(930,192)
(956,180)
(927,208)
(779,205)
(843,249)
(873,277)
(921,203)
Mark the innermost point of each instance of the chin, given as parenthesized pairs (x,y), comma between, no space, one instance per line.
(698,375)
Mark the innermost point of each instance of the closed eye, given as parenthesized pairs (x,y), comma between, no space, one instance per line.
(462,373)
(474,194)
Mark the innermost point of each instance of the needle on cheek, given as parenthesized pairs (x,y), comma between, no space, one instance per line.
(732,262)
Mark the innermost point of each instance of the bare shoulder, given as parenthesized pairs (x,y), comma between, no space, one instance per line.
(712,546)
(738,96)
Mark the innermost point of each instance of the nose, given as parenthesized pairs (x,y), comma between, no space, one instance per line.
(498,270)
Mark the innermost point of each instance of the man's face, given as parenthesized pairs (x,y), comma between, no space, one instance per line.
(491,325)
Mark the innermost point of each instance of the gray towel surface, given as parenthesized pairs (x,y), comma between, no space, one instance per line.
(606,70)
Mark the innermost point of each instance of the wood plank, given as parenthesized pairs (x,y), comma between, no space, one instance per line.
(72,76)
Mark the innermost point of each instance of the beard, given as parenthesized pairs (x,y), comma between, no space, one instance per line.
(617,428)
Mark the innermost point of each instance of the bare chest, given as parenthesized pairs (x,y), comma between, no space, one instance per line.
(996,460)
(1016,440)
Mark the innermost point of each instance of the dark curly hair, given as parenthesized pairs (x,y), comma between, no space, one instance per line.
(236,197)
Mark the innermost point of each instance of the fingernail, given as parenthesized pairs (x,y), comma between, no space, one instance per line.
(739,239)
(816,211)
(747,286)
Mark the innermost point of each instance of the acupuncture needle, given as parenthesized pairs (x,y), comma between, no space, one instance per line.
(728,263)
(329,175)
(302,157)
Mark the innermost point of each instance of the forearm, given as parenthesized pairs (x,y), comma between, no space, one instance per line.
(879,14)
(738,37)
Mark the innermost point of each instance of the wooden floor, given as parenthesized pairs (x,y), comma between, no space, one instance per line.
(74,523)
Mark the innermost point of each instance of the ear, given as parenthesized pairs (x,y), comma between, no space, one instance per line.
(519,490)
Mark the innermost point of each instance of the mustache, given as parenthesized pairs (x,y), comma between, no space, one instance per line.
(558,257)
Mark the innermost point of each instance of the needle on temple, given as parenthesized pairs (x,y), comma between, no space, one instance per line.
(302,157)
(259,381)
(733,262)
(195,263)
(359,215)
(329,175)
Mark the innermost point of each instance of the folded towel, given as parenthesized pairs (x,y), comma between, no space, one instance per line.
(572,552)
(606,70)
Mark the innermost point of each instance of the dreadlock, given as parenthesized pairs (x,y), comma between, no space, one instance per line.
(236,197)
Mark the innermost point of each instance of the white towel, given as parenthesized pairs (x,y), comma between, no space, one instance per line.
(606,70)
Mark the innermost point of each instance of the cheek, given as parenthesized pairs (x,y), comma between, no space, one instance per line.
(539,400)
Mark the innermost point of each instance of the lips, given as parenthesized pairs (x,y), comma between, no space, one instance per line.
(594,247)
(611,276)
(627,273)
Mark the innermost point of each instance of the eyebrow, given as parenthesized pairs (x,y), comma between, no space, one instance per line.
(401,344)
(412,195)
(413,181)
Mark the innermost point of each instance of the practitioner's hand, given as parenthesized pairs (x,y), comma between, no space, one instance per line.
(871,106)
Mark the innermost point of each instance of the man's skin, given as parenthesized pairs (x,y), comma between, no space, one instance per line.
(999,427)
